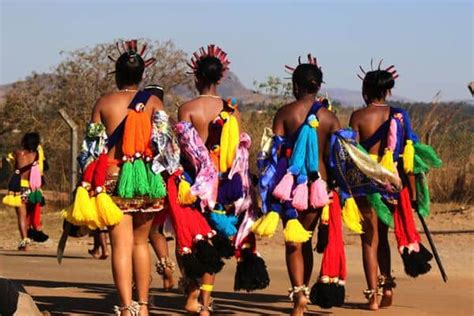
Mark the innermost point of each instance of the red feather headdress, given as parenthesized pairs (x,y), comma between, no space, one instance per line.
(131,48)
(212,51)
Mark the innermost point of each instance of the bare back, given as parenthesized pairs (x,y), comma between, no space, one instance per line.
(291,116)
(112,108)
(366,121)
(24,158)
(201,112)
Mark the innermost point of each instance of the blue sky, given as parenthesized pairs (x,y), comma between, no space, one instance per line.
(430,42)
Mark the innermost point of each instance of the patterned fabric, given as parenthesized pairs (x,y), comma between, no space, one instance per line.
(164,144)
(143,204)
(206,181)
(93,145)
(355,172)
(241,166)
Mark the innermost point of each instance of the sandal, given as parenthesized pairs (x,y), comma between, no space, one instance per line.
(133,309)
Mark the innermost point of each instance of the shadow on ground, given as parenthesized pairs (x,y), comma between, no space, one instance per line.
(58,300)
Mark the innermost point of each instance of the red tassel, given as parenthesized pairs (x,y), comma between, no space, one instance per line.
(333,263)
(187,222)
(34,216)
(404,222)
(100,171)
(88,173)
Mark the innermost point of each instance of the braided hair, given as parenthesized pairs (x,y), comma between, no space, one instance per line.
(209,69)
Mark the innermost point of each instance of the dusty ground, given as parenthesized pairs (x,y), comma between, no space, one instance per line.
(82,285)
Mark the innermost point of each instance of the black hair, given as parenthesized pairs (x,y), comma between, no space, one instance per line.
(209,69)
(129,69)
(376,84)
(308,78)
(30,141)
(156,90)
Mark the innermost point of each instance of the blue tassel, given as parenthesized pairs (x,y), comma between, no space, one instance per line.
(222,223)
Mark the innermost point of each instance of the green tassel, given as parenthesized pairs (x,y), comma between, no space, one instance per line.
(140,178)
(157,185)
(35,197)
(425,158)
(383,213)
(422,195)
(125,183)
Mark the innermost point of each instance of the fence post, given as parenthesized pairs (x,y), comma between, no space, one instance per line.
(74,138)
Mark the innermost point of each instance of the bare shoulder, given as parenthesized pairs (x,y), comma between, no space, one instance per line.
(185,110)
(155,103)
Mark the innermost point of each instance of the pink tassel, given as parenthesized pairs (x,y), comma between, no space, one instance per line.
(392,135)
(35,177)
(283,189)
(300,197)
(318,196)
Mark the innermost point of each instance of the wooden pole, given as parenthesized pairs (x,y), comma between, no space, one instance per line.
(74,149)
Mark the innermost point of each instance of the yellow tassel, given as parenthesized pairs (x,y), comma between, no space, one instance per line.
(387,161)
(266,225)
(408,156)
(295,232)
(40,158)
(233,140)
(12,200)
(184,193)
(325,214)
(351,216)
(96,221)
(228,142)
(109,212)
(81,213)
(67,214)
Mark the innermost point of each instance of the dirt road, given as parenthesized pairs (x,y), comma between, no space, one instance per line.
(82,285)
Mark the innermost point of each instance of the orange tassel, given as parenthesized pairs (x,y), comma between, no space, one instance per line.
(128,140)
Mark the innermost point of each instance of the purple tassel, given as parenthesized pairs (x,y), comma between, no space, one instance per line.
(230,190)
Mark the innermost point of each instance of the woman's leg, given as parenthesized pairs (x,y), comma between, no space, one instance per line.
(370,241)
(121,239)
(383,255)
(141,257)
(299,262)
(21,217)
(95,251)
(206,290)
(160,246)
(103,244)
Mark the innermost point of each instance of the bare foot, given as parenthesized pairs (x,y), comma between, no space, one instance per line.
(94,253)
(168,281)
(300,302)
(143,309)
(373,305)
(386,298)
(104,256)
(192,304)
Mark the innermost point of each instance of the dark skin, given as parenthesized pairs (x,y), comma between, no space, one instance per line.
(129,239)
(375,246)
(201,111)
(299,256)
(23,157)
